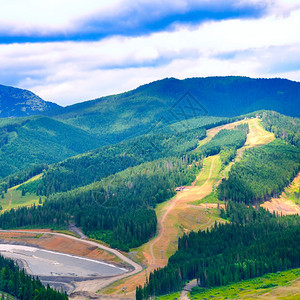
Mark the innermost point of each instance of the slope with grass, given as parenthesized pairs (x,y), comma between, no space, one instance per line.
(282,285)
(177,216)
(17,197)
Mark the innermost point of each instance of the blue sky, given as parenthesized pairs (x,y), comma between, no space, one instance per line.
(71,50)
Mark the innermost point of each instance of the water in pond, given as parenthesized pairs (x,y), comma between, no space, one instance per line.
(48,263)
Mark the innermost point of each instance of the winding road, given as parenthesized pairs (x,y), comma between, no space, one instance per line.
(89,288)
(170,218)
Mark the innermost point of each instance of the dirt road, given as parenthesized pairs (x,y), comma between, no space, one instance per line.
(90,287)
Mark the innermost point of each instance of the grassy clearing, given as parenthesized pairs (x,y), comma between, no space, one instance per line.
(173,296)
(281,285)
(211,198)
(210,171)
(36,177)
(292,191)
(14,199)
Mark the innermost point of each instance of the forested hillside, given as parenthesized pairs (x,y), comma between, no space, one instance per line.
(119,208)
(225,142)
(262,173)
(112,192)
(120,116)
(105,209)
(24,287)
(28,141)
(254,243)
(284,127)
(95,165)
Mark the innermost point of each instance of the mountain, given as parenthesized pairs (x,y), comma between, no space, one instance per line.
(34,140)
(132,113)
(16,102)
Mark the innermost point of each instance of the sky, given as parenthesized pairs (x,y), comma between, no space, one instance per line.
(69,51)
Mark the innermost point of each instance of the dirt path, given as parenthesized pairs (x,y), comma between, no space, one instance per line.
(170,207)
(9,202)
(184,295)
(173,214)
(184,197)
(177,215)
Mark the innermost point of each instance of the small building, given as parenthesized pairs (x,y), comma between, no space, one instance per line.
(180,188)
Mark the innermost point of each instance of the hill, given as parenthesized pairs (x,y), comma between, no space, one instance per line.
(16,102)
(28,141)
(129,114)
(115,195)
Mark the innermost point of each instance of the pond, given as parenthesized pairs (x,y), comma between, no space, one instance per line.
(49,263)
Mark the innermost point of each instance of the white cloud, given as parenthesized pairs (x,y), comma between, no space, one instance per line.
(46,13)
(69,72)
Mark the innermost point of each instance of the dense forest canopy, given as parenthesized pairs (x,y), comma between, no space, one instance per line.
(38,140)
(24,287)
(262,173)
(175,139)
(254,243)
(284,127)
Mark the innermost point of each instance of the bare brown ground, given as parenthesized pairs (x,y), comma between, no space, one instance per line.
(178,215)
(288,292)
(174,218)
(37,230)
(284,205)
(281,206)
(59,244)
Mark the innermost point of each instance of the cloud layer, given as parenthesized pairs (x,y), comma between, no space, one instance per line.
(88,51)
(44,21)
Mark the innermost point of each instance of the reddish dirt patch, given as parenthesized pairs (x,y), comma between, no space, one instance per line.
(36,230)
(16,235)
(60,244)
(281,206)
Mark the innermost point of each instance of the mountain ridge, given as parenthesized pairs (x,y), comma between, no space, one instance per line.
(16,102)
(126,115)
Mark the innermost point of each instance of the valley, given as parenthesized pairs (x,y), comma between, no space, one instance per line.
(150,150)
(188,210)
(194,208)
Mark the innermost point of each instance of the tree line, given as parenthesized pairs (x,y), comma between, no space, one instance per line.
(284,127)
(253,244)
(17,283)
(262,173)
(118,209)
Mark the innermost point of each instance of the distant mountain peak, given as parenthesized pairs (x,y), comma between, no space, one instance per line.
(15,102)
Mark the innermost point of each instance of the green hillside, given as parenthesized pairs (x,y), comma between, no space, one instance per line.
(129,114)
(111,193)
(250,246)
(25,142)
(119,208)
